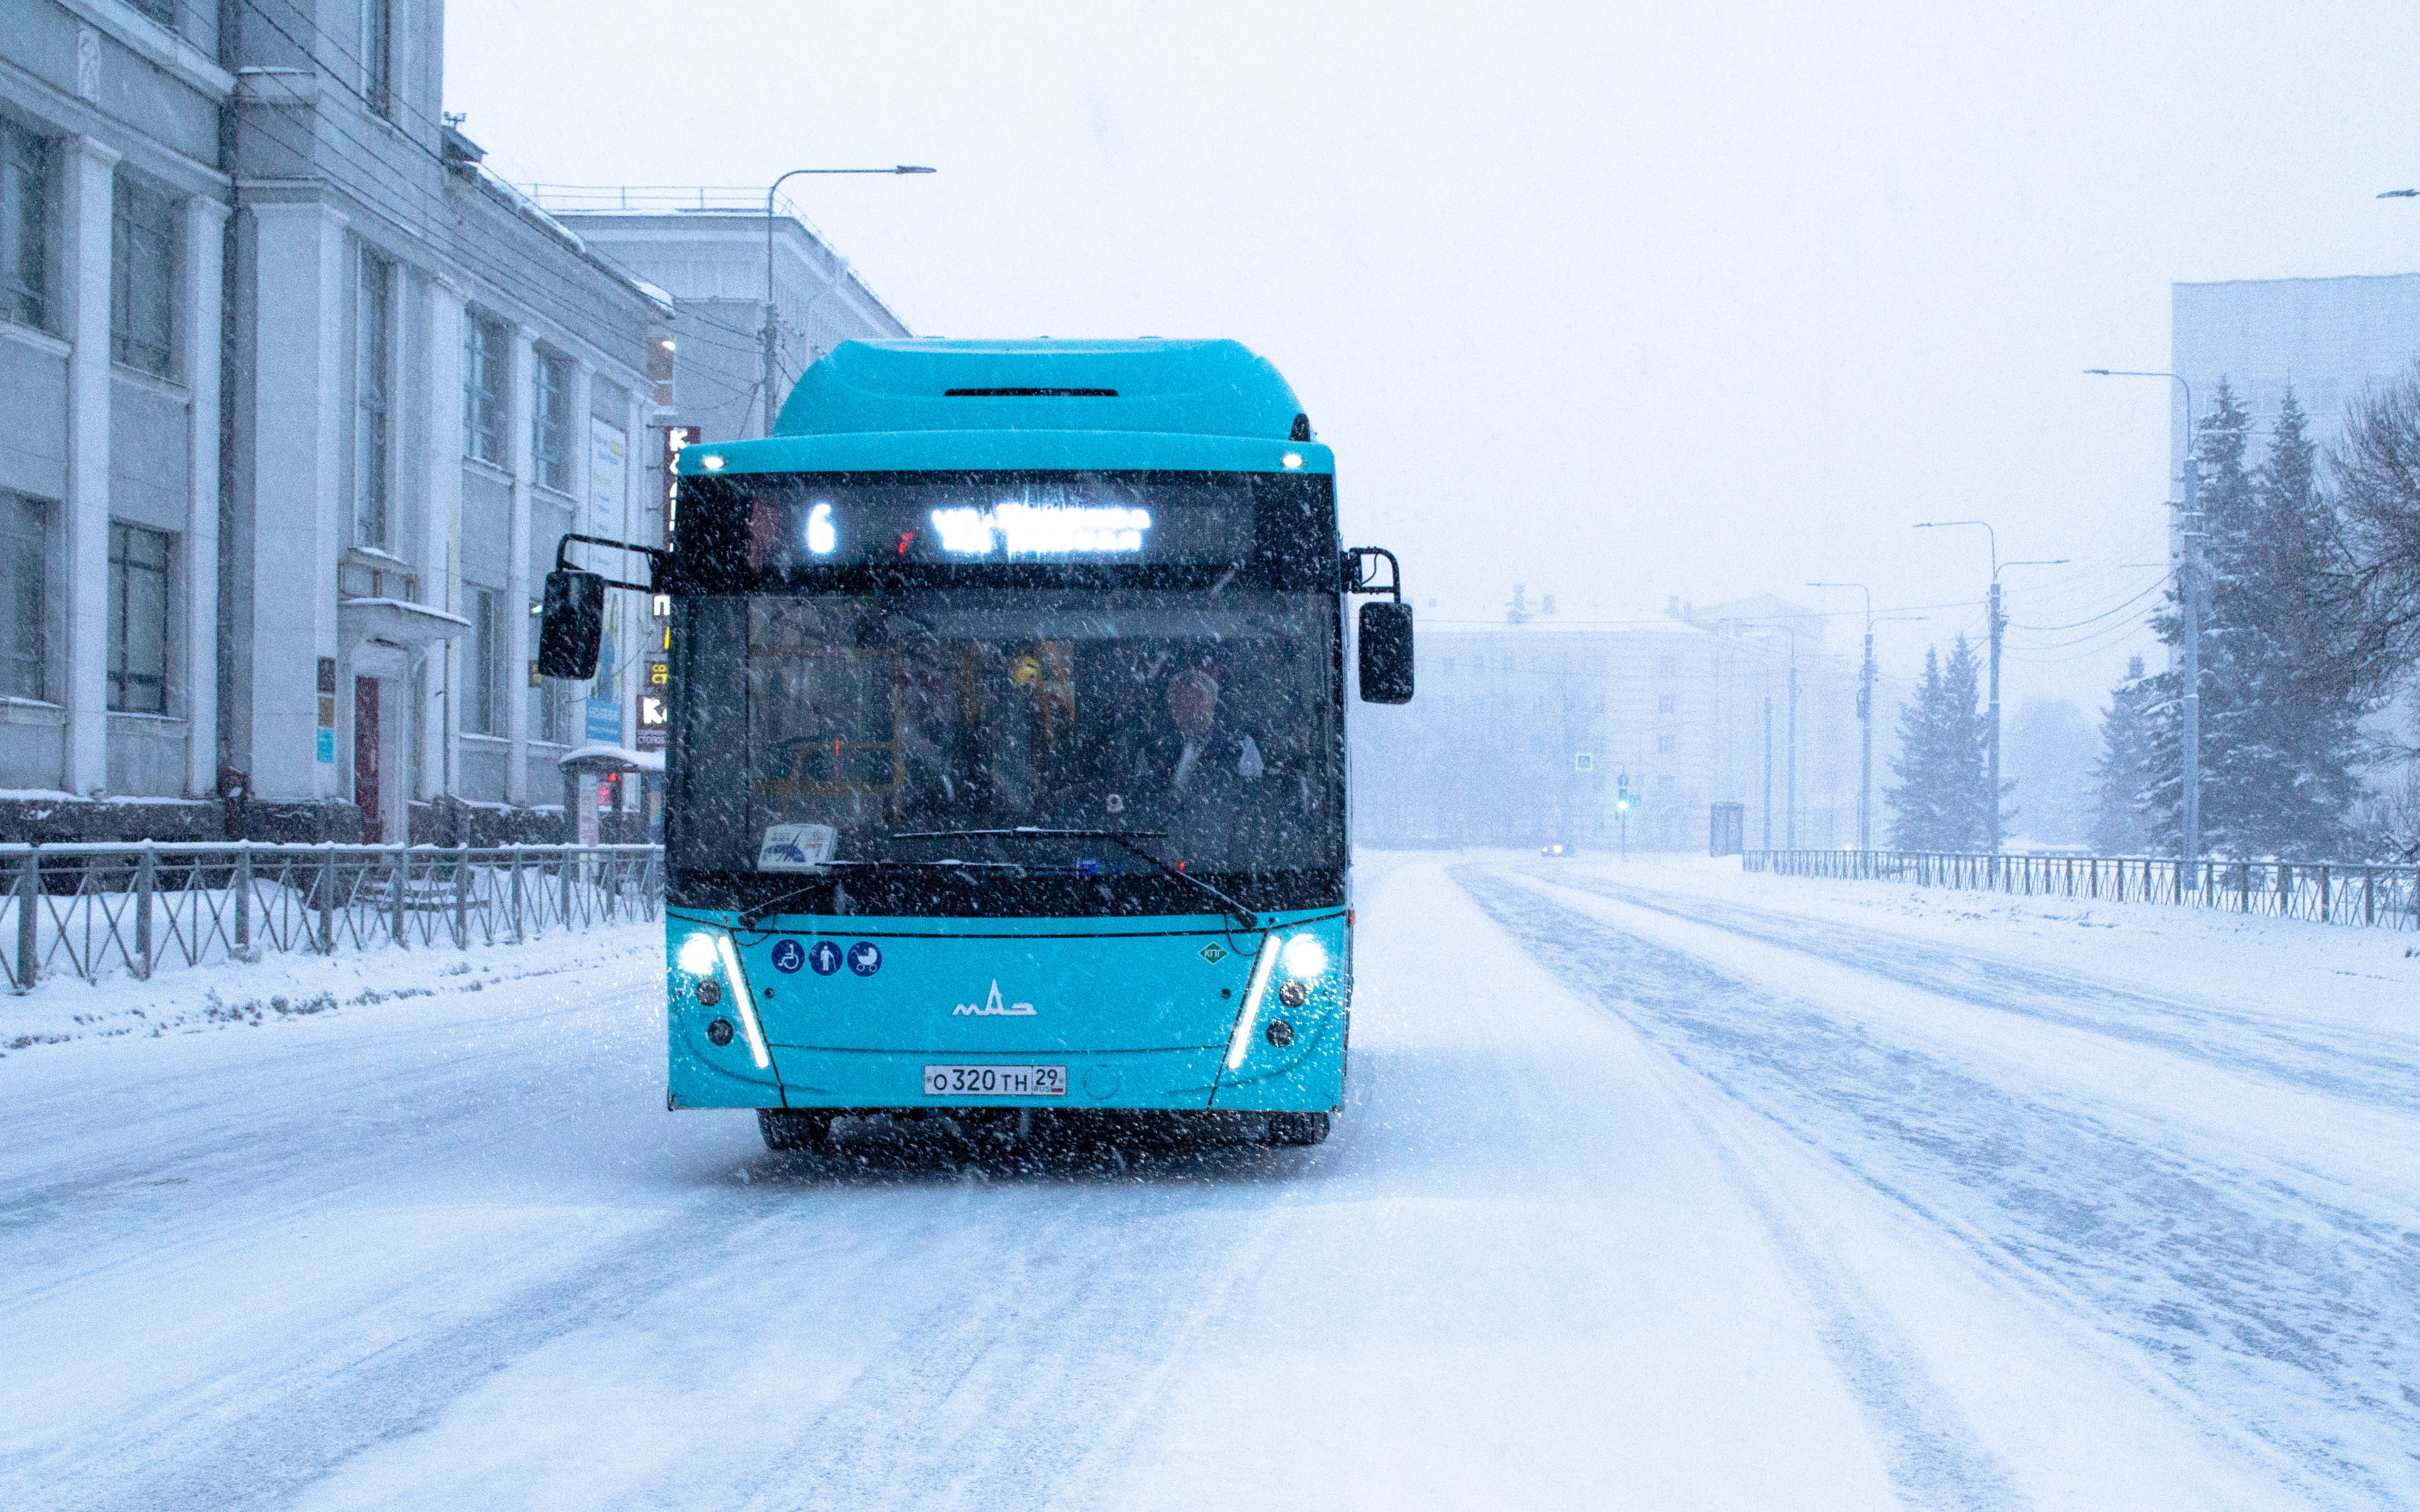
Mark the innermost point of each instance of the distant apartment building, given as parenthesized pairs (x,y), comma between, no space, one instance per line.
(710,250)
(1526,730)
(2329,338)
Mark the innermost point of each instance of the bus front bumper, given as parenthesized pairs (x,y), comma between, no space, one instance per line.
(1305,1077)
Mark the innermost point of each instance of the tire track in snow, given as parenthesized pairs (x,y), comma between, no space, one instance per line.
(2286,1317)
(2227,1040)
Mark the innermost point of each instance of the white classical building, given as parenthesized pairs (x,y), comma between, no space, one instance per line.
(2331,339)
(300,400)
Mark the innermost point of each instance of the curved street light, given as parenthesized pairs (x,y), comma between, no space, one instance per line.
(772,327)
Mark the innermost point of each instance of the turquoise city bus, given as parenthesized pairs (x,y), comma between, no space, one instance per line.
(1007,757)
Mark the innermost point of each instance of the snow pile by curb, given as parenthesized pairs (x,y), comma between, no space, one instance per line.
(283,987)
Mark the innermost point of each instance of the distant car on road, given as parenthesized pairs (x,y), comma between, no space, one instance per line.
(1557,848)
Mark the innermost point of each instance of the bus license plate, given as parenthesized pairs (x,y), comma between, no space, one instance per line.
(995,1081)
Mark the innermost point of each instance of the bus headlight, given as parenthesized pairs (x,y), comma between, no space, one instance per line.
(703,955)
(1305,957)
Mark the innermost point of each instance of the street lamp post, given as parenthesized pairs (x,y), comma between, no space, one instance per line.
(2189,597)
(773,379)
(1999,623)
(1864,722)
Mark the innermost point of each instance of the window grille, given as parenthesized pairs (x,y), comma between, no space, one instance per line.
(377,55)
(138,619)
(486,361)
(142,277)
(551,421)
(25,558)
(25,225)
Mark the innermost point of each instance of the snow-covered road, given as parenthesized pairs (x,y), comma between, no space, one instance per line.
(1660,1186)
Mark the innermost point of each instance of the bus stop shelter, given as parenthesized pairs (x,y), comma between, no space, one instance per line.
(612,794)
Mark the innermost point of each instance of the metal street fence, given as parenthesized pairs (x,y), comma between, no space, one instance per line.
(87,911)
(2330,892)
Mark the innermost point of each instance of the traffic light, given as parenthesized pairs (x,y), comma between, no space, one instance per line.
(1622,793)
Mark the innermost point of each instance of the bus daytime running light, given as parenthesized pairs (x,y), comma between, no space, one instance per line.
(711,461)
(739,998)
(1304,956)
(1262,966)
(697,955)
(1292,459)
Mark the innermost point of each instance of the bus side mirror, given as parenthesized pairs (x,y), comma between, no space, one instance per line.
(573,627)
(1386,652)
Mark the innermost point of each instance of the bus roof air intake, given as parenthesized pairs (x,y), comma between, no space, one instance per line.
(1028,393)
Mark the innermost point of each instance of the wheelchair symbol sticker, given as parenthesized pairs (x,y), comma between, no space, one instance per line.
(787,954)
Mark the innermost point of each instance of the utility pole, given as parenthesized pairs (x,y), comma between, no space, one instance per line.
(1992,781)
(2190,570)
(1864,722)
(771,381)
(2189,591)
(1768,769)
(1789,766)
(1866,741)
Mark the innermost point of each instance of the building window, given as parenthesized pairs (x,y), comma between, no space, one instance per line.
(162,12)
(1667,666)
(24,561)
(377,55)
(1667,703)
(1667,745)
(487,661)
(551,421)
(486,360)
(25,223)
(142,277)
(138,619)
(373,325)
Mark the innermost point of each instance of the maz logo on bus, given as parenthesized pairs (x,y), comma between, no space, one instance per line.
(993,1007)
(1041,530)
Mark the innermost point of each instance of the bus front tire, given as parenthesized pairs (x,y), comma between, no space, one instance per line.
(1296,1128)
(784,1129)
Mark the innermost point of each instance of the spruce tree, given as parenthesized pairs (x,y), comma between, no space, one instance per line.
(2122,777)
(2281,681)
(1942,765)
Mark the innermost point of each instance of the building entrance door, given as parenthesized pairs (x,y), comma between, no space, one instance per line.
(366,761)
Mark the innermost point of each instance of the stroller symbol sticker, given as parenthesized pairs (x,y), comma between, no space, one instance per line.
(865,958)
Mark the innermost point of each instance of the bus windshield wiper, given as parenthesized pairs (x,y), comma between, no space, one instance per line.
(756,914)
(1124,838)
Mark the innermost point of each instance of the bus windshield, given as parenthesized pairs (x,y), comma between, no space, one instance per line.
(1208,716)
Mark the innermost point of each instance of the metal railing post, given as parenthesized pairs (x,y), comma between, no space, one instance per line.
(517,895)
(328,899)
(462,895)
(400,931)
(146,878)
(29,902)
(243,896)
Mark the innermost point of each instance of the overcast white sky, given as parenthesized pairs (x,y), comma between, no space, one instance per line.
(1614,303)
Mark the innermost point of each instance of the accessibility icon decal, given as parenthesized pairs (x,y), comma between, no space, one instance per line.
(787,954)
(865,958)
(824,956)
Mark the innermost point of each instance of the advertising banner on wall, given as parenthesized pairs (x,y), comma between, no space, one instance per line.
(608,479)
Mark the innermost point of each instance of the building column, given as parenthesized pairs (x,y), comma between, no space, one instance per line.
(441,552)
(202,301)
(85,181)
(516,573)
(634,515)
(298,465)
